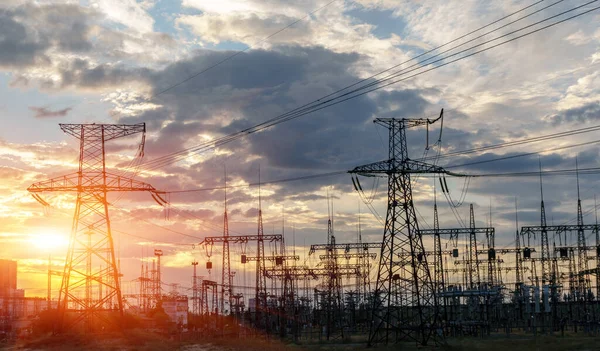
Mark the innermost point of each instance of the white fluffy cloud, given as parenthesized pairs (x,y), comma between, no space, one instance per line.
(130,13)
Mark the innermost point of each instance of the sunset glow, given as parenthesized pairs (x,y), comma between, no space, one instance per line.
(133,130)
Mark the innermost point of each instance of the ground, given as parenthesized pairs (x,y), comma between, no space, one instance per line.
(138,340)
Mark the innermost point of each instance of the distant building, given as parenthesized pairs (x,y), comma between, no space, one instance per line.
(8,276)
(177,309)
(15,308)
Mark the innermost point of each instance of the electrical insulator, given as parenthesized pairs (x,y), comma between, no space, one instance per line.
(564,252)
(526,252)
(491,254)
(278,261)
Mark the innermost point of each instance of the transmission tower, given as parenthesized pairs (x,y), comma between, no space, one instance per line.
(440,285)
(544,237)
(583,285)
(261,316)
(403,268)
(195,307)
(518,255)
(226,277)
(157,278)
(90,286)
(334,295)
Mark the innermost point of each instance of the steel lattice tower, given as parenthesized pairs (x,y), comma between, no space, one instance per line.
(583,285)
(90,286)
(334,296)
(403,268)
(518,254)
(439,281)
(473,265)
(226,277)
(544,237)
(157,283)
(261,316)
(195,307)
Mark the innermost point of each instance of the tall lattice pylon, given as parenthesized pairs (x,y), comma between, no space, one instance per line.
(403,269)
(90,291)
(261,313)
(226,277)
(195,298)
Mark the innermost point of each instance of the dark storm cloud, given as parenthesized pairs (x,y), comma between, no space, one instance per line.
(28,32)
(33,34)
(80,73)
(258,85)
(587,113)
(19,46)
(44,112)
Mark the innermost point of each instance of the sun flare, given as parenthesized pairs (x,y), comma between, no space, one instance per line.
(49,240)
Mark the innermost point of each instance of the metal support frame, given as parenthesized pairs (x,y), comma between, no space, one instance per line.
(90,286)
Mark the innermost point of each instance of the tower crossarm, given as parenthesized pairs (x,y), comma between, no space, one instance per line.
(457,231)
(512,250)
(315,273)
(274,258)
(345,247)
(70,182)
(349,255)
(574,248)
(560,228)
(104,132)
(240,238)
(393,167)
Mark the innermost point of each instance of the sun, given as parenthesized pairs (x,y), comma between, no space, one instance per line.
(49,240)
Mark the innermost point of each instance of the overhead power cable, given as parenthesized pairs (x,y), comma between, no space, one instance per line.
(524,154)
(312,176)
(158,225)
(321,104)
(517,142)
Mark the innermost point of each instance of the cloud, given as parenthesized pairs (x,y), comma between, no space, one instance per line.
(19,46)
(130,13)
(44,112)
(111,56)
(59,46)
(586,113)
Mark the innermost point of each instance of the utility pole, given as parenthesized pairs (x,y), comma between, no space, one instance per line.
(92,183)
(403,268)
(49,281)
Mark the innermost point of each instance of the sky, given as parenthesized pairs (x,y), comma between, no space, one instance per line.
(115,61)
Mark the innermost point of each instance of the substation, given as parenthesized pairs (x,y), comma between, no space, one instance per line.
(415,284)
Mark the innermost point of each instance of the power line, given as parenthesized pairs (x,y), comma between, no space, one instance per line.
(363,80)
(524,154)
(319,105)
(157,225)
(516,142)
(312,176)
